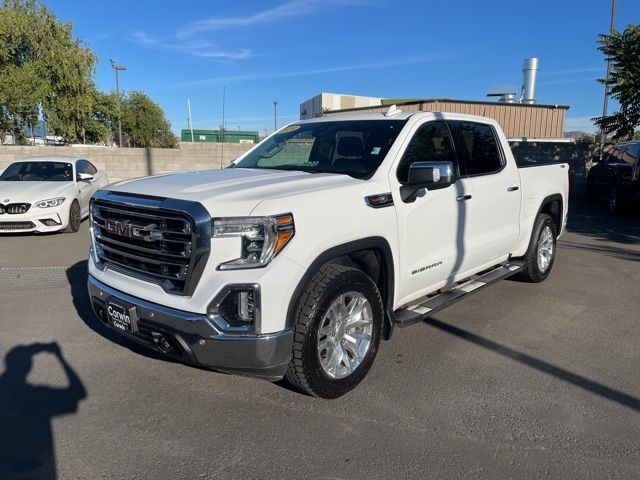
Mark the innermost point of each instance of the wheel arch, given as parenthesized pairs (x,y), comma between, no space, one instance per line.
(553,205)
(372,255)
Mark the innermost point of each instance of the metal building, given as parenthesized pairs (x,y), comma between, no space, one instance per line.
(324,102)
(516,119)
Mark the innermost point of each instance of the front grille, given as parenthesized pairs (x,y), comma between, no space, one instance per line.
(15,208)
(154,243)
(9,226)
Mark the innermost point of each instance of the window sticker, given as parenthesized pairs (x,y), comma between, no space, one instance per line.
(375,150)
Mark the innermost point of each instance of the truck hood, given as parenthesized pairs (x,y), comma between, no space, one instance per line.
(31,192)
(233,191)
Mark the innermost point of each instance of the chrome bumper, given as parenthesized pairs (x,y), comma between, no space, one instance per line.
(193,339)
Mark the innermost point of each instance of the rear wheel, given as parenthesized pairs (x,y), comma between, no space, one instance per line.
(614,200)
(542,250)
(337,332)
(74,218)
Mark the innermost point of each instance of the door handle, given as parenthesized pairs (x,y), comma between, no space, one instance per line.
(463,198)
(513,189)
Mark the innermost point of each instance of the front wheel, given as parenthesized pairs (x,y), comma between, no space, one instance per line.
(74,218)
(542,250)
(337,332)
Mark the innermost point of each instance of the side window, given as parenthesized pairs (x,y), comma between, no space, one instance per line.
(90,168)
(477,147)
(430,143)
(629,154)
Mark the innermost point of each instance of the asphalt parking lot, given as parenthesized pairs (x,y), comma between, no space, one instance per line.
(518,381)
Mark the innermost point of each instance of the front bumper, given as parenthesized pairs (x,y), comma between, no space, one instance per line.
(40,220)
(195,340)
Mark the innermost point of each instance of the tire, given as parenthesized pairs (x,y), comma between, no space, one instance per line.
(312,369)
(591,194)
(614,201)
(74,218)
(535,271)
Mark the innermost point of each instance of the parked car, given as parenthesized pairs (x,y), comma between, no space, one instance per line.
(616,178)
(47,193)
(319,241)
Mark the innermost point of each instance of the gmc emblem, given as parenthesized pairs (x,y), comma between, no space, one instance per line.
(136,232)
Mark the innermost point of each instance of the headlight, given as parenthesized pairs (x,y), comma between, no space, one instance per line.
(262,238)
(51,202)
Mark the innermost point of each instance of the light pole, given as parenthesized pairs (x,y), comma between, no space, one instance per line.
(117,68)
(605,104)
(275,115)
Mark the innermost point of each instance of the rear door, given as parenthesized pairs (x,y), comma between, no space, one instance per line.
(433,227)
(494,224)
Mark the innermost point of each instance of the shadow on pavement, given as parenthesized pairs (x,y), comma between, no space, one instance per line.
(77,277)
(26,411)
(540,365)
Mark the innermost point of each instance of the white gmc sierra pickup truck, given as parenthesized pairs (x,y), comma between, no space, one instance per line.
(297,259)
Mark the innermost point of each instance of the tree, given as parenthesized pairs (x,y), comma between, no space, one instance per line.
(144,123)
(623,49)
(43,70)
(103,122)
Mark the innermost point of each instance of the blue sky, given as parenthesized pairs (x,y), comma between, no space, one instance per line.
(291,50)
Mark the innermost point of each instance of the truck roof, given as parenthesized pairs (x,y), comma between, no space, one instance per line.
(399,115)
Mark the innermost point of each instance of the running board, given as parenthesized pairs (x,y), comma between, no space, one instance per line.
(428,306)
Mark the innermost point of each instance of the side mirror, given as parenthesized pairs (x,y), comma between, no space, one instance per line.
(429,175)
(84,177)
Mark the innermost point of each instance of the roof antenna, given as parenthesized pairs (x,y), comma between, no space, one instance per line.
(393,110)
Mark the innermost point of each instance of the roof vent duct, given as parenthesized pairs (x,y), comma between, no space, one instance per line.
(529,79)
(505,91)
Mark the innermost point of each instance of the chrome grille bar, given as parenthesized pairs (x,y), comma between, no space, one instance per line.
(160,240)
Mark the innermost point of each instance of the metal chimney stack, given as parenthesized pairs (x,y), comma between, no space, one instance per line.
(529,78)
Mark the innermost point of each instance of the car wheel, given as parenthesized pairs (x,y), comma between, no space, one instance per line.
(542,250)
(74,218)
(337,332)
(614,201)
(591,195)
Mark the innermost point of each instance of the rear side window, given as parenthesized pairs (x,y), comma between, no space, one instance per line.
(430,143)
(477,148)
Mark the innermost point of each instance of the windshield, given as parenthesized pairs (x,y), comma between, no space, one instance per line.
(38,172)
(351,147)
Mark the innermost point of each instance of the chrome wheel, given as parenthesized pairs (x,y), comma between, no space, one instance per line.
(344,335)
(545,249)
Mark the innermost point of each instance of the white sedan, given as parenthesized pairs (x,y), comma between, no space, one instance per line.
(47,193)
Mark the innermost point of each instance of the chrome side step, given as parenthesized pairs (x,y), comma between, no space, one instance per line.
(427,306)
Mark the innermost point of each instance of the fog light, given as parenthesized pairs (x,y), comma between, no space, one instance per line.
(49,222)
(237,308)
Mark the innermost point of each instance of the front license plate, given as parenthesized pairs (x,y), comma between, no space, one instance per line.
(119,315)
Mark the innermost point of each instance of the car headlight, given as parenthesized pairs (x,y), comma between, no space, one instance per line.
(262,238)
(51,202)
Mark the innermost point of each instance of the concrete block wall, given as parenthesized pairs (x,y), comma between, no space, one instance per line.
(124,163)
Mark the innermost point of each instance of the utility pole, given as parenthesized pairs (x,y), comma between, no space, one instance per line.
(224,98)
(190,122)
(605,105)
(117,68)
(275,115)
